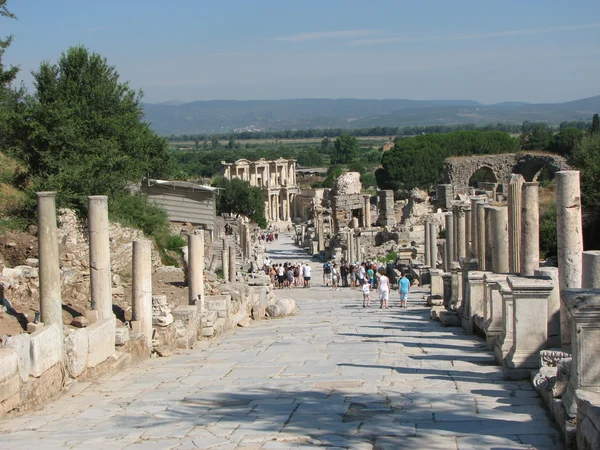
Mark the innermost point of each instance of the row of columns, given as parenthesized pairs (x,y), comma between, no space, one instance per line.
(100,269)
(278,208)
(353,247)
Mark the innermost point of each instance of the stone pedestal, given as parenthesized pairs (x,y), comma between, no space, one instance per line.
(433,250)
(100,273)
(449,253)
(514,222)
(530,229)
(49,273)
(437,283)
(141,288)
(473,307)
(196,268)
(457,295)
(553,306)
(505,341)
(583,306)
(530,323)
(499,239)
(570,238)
(591,270)
(492,325)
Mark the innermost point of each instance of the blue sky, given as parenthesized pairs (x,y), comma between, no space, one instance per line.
(490,51)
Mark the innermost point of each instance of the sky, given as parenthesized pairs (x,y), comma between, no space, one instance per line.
(539,51)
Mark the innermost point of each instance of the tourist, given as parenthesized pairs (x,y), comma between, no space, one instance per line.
(307,275)
(404,287)
(366,290)
(344,274)
(290,276)
(326,273)
(280,276)
(362,274)
(273,274)
(371,276)
(335,277)
(353,273)
(384,290)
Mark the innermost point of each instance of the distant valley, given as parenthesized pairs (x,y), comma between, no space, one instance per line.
(221,116)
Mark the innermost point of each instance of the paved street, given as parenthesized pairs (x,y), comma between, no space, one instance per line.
(334,376)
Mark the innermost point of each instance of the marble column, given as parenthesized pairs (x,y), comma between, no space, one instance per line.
(196,267)
(433,250)
(460,232)
(232,264)
(473,247)
(514,222)
(225,258)
(499,220)
(368,211)
(481,235)
(591,270)
(427,250)
(320,233)
(49,273)
(449,253)
(141,287)
(100,273)
(530,229)
(468,227)
(358,250)
(569,239)
(489,236)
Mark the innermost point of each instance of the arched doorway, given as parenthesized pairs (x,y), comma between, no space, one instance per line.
(482,175)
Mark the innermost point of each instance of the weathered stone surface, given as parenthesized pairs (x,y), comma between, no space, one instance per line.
(45,349)
(76,351)
(283,307)
(347,184)
(80,322)
(161,312)
(21,344)
(9,363)
(435,300)
(101,341)
(121,335)
(219,303)
(186,313)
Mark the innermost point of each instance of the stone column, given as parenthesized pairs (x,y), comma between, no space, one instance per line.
(427,251)
(141,287)
(232,264)
(499,236)
(351,247)
(433,250)
(514,222)
(570,240)
(591,270)
(481,235)
(583,306)
(320,234)
(225,258)
(468,227)
(449,256)
(489,236)
(461,234)
(368,211)
(358,249)
(49,273)
(553,307)
(100,274)
(530,229)
(474,228)
(196,268)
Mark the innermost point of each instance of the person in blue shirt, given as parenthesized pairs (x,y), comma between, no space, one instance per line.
(404,287)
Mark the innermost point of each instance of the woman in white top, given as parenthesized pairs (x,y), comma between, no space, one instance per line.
(384,291)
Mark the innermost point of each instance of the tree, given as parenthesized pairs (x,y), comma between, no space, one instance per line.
(310,158)
(85,133)
(595,124)
(566,140)
(345,150)
(214,142)
(540,137)
(239,197)
(586,157)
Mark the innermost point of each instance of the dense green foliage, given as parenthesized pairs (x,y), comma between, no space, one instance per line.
(345,150)
(238,197)
(587,159)
(85,134)
(595,129)
(566,140)
(418,162)
(548,233)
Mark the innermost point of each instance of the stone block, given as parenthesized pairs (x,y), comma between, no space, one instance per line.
(33,327)
(435,312)
(219,303)
(450,319)
(9,363)
(21,344)
(186,313)
(121,335)
(101,341)
(80,322)
(209,318)
(208,331)
(9,387)
(435,300)
(136,326)
(45,349)
(76,351)
(92,316)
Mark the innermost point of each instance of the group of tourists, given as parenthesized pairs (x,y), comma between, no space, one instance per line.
(288,275)
(268,237)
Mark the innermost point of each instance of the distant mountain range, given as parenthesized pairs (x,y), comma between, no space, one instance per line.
(218,116)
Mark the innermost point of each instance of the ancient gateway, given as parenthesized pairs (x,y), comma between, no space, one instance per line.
(277,178)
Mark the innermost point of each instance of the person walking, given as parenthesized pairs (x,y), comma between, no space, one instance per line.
(307,270)
(404,287)
(384,290)
(366,290)
(335,278)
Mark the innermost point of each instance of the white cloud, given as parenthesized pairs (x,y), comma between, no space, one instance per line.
(324,35)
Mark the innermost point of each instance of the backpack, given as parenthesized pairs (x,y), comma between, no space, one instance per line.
(327,268)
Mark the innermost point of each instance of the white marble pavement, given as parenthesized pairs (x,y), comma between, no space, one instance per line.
(335,376)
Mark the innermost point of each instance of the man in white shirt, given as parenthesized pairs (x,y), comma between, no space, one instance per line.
(384,291)
(307,270)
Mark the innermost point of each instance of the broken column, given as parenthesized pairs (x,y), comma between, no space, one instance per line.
(141,287)
(449,250)
(499,238)
(514,222)
(232,264)
(100,274)
(591,270)
(530,229)
(49,273)
(433,250)
(553,306)
(196,268)
(569,239)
